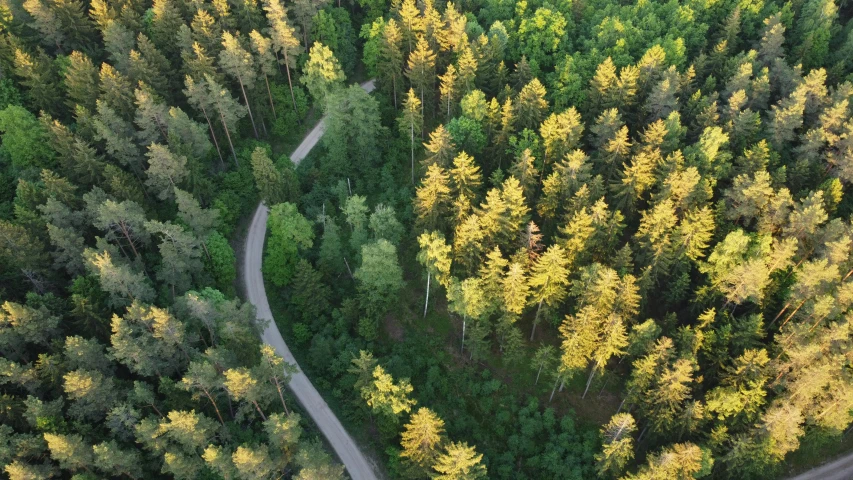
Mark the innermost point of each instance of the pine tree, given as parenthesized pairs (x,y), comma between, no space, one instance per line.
(434,255)
(561,134)
(531,106)
(448,89)
(421,438)
(548,280)
(165,170)
(284,39)
(390,61)
(618,439)
(268,179)
(459,461)
(237,63)
(440,147)
(81,81)
(263,48)
(322,73)
(410,120)
(432,196)
(421,69)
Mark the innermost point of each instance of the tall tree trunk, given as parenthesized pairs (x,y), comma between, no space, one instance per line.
(213,135)
(249,108)
(554,390)
(290,83)
(269,93)
(412,138)
(589,381)
(464,321)
(258,408)
(426,303)
(536,319)
(227,134)
(394,87)
(537,374)
(280,395)
(215,407)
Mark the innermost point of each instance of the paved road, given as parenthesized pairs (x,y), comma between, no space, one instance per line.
(841,469)
(357,465)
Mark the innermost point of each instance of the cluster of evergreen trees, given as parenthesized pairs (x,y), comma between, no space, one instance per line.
(128,158)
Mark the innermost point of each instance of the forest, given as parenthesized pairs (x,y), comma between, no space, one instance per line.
(569,240)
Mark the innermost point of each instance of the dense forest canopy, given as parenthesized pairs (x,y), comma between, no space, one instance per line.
(577,239)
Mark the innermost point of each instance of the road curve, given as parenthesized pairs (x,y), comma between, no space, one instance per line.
(840,469)
(357,465)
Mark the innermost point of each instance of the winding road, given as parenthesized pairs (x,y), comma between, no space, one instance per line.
(839,469)
(357,465)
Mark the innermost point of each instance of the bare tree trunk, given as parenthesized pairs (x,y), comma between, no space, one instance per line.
(290,83)
(215,407)
(213,135)
(248,107)
(280,395)
(537,374)
(412,138)
(589,381)
(426,303)
(536,320)
(258,408)
(269,93)
(228,134)
(463,333)
(554,390)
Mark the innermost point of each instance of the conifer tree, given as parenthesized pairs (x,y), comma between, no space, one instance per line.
(618,439)
(432,196)
(237,63)
(548,280)
(322,73)
(434,255)
(284,40)
(263,48)
(531,106)
(390,62)
(81,81)
(411,119)
(458,461)
(448,88)
(440,147)
(421,438)
(421,69)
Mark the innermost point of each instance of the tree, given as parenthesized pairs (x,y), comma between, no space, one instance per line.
(432,196)
(448,88)
(165,170)
(263,49)
(284,40)
(531,106)
(434,255)
(440,147)
(387,398)
(421,69)
(390,61)
(421,438)
(379,279)
(548,280)
(384,224)
(239,64)
(268,179)
(120,281)
(459,462)
(70,451)
(209,96)
(322,72)
(681,461)
(243,385)
(618,449)
(81,81)
(24,139)
(411,119)
(290,232)
(202,377)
